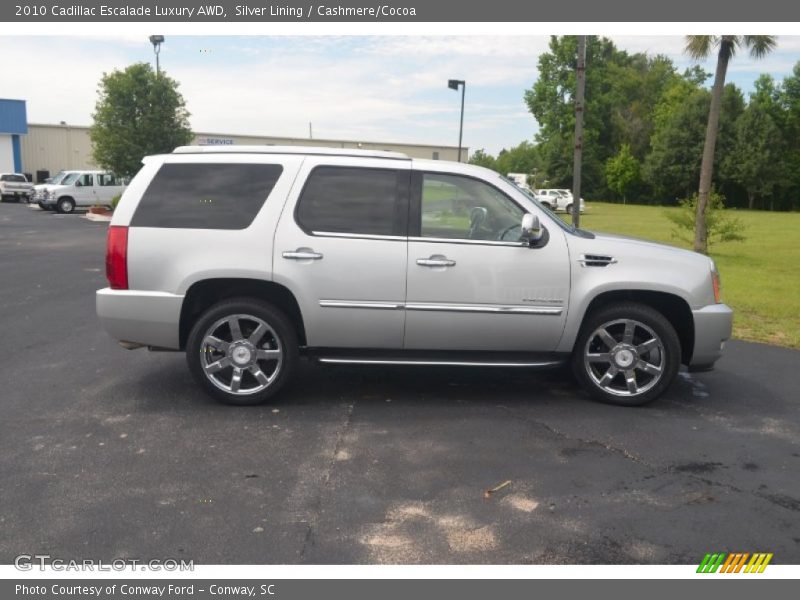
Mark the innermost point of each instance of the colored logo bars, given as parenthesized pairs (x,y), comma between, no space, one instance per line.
(735,562)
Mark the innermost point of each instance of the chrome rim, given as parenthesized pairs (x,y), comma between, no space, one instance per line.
(241,354)
(624,357)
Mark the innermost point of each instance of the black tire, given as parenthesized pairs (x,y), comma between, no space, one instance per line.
(65,205)
(669,354)
(568,209)
(285,338)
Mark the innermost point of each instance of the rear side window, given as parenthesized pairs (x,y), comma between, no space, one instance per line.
(354,200)
(206,195)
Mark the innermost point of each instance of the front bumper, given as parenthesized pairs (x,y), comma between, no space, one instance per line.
(712,327)
(141,317)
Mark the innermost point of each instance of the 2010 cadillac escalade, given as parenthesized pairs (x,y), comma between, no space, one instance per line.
(250,258)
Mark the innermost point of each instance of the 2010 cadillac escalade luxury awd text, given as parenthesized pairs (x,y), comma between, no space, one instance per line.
(249,258)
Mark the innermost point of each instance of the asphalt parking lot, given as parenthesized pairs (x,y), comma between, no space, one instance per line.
(107,453)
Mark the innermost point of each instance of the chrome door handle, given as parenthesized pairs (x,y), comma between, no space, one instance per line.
(301,254)
(436,261)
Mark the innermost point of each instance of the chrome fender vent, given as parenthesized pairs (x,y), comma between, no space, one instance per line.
(596,260)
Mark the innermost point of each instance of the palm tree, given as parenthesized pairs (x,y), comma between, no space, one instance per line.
(699,47)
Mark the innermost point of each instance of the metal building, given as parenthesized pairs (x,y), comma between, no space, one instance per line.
(51,148)
(13,124)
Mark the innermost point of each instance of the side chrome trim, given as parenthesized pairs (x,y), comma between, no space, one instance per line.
(348,304)
(486,308)
(359,236)
(444,363)
(469,242)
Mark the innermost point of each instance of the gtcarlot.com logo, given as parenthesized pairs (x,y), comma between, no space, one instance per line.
(29,562)
(737,562)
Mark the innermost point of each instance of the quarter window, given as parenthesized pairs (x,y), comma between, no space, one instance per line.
(206,195)
(354,200)
(464,208)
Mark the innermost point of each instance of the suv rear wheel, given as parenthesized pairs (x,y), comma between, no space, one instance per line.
(242,351)
(627,354)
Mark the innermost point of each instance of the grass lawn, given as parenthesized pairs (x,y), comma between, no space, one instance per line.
(760,276)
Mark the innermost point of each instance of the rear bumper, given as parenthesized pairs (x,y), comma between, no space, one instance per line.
(712,327)
(141,317)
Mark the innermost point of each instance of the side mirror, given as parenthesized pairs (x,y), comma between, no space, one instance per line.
(531,231)
(78,183)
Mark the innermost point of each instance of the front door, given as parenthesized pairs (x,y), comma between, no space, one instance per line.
(471,284)
(341,248)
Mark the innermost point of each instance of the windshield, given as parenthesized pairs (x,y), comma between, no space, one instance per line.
(58,177)
(18,178)
(70,179)
(532,196)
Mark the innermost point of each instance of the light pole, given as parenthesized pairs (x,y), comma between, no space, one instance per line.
(157,40)
(453,85)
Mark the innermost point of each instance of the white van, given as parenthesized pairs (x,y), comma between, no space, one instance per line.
(81,189)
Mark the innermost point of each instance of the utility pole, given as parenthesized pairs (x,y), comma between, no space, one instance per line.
(579,110)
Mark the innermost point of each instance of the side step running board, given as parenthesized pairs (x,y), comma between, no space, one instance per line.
(436,362)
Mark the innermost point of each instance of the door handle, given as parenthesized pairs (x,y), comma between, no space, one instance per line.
(302,254)
(437,260)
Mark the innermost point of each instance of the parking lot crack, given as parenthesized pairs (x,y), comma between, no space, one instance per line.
(315,505)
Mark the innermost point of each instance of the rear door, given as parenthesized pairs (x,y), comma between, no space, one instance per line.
(341,248)
(107,185)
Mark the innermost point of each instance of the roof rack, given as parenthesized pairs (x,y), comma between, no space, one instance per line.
(310,150)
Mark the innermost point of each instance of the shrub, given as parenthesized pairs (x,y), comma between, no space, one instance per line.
(721,227)
(115,201)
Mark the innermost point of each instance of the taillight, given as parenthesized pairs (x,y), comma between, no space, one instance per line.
(117,257)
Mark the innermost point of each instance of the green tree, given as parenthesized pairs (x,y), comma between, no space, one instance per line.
(622,91)
(757,161)
(700,47)
(482,158)
(522,158)
(672,166)
(137,113)
(622,172)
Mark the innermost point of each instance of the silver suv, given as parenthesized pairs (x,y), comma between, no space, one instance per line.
(249,258)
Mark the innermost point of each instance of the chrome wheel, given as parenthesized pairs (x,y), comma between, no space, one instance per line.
(241,354)
(624,357)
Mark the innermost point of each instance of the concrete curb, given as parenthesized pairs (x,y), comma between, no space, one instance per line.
(93,217)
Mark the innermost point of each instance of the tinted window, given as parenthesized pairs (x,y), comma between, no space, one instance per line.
(107,179)
(353,200)
(465,208)
(206,195)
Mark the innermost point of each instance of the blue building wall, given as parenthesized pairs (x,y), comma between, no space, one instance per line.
(13,116)
(17,150)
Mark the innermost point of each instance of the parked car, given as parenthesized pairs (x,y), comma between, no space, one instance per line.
(40,190)
(81,189)
(15,186)
(558,199)
(250,258)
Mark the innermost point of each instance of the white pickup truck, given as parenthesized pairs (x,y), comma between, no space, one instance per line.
(15,186)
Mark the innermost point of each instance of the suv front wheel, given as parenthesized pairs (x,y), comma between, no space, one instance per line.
(242,351)
(627,354)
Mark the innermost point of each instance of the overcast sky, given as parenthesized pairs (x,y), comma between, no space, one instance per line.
(390,88)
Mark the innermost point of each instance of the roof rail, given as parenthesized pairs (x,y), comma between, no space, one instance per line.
(309,150)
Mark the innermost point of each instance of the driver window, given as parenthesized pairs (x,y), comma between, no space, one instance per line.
(86,179)
(457,207)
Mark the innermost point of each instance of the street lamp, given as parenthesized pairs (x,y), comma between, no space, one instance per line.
(453,85)
(157,40)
